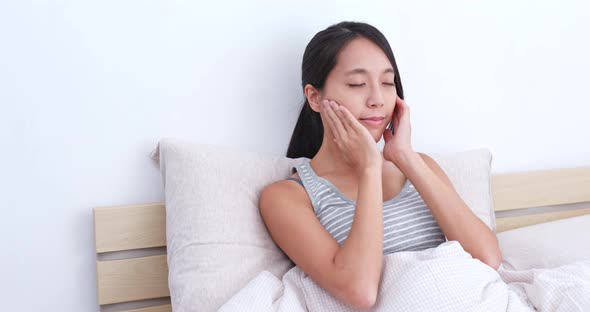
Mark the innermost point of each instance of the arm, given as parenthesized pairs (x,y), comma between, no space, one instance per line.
(454,217)
(352,272)
(362,252)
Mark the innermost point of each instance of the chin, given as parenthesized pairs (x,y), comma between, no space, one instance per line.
(377,134)
(377,137)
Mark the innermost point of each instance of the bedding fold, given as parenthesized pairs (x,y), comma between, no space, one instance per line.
(445,278)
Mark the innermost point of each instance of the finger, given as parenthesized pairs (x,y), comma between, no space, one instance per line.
(387,135)
(398,99)
(326,117)
(398,111)
(402,114)
(349,120)
(338,128)
(338,109)
(399,105)
(403,104)
(396,119)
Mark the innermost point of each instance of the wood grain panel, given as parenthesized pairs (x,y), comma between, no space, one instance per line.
(509,223)
(129,227)
(162,308)
(540,188)
(132,279)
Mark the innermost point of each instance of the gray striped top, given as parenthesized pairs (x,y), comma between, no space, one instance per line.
(408,222)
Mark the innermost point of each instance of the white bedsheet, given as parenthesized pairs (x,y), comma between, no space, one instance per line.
(445,278)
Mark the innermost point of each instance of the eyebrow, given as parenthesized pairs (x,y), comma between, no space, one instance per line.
(364,71)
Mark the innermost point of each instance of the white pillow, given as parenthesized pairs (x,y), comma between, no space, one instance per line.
(216,239)
(546,245)
(470,174)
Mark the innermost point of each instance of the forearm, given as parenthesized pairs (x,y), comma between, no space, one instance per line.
(454,217)
(362,252)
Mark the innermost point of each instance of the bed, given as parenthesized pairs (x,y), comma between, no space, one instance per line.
(130,240)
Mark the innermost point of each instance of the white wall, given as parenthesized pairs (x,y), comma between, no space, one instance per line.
(87,89)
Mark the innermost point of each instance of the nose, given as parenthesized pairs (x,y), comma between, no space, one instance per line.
(376,98)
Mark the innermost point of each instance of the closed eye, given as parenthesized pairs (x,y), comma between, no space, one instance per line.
(362,84)
(356,85)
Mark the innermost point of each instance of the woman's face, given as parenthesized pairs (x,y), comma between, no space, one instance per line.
(363,82)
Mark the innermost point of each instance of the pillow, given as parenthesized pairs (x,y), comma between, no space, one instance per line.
(546,245)
(470,174)
(216,239)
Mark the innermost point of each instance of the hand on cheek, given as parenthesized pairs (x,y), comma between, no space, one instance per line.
(400,141)
(354,142)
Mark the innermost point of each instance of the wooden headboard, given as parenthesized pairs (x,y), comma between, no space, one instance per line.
(520,199)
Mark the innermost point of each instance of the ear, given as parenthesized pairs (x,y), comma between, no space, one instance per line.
(313,97)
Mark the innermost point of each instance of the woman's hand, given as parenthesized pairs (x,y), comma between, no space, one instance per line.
(401,140)
(356,144)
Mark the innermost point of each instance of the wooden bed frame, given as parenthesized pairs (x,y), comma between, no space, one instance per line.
(133,283)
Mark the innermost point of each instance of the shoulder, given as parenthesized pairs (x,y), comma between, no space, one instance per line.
(282,191)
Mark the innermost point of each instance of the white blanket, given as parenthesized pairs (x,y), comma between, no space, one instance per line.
(445,278)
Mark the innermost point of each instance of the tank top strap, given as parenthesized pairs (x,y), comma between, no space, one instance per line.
(308,179)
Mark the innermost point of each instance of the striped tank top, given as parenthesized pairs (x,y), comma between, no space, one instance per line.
(407,221)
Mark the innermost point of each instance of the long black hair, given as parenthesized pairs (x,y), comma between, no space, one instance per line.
(319,59)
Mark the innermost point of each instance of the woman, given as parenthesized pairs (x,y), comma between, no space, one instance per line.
(347,204)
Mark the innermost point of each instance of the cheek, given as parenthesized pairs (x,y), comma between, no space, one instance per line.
(390,100)
(353,104)
(391,94)
(354,110)
(351,100)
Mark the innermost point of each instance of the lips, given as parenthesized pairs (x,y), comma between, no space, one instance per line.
(373,121)
(373,118)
